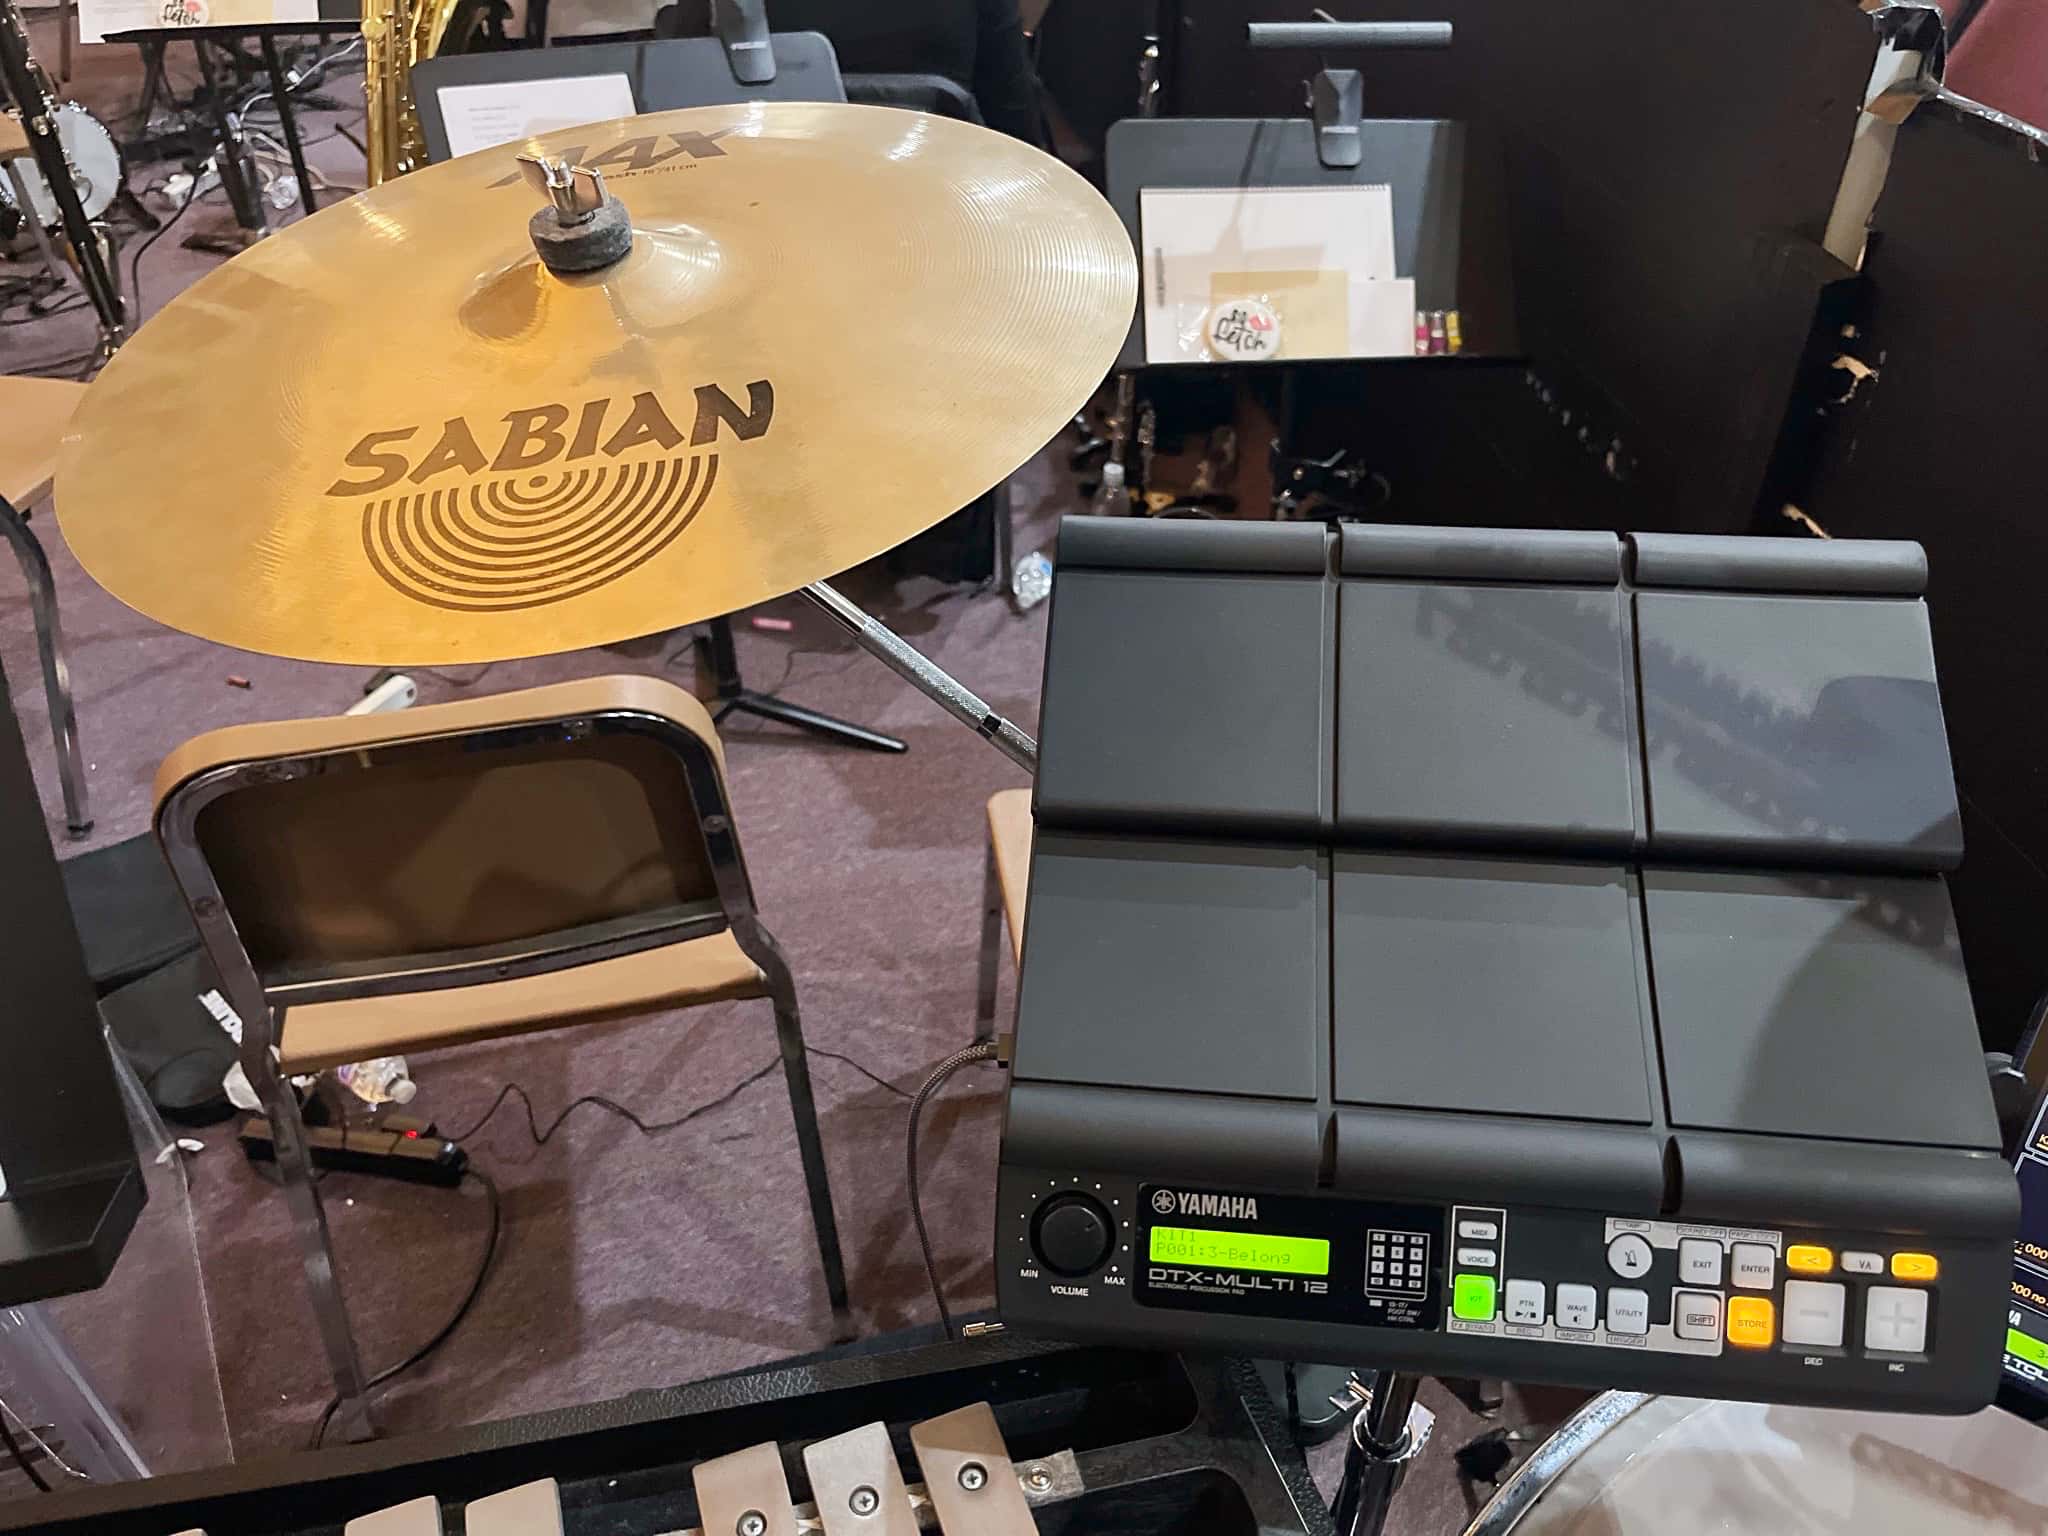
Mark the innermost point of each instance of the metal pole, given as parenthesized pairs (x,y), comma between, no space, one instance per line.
(925,675)
(288,120)
(1386,1435)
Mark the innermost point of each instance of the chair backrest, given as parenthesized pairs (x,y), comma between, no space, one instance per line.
(937,94)
(457,843)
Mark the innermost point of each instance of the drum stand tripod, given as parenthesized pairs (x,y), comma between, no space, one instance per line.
(1390,1428)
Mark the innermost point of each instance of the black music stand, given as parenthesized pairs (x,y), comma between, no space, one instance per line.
(248,212)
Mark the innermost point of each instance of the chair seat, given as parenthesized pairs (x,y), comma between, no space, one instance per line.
(708,970)
(1009,835)
(33,416)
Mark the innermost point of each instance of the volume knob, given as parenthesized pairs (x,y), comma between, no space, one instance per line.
(1073,1235)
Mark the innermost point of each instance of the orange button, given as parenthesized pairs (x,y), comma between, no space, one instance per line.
(1809,1259)
(1752,1322)
(1915,1266)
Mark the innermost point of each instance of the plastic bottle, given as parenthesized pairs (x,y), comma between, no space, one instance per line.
(1111,498)
(380,1080)
(1032,583)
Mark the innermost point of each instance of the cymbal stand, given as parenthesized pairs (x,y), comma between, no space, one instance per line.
(926,676)
(1387,1433)
(23,81)
(733,694)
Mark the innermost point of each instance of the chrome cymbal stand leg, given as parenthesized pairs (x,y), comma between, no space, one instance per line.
(1386,1435)
(927,676)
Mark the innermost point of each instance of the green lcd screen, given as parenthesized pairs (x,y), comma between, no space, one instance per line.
(2025,1346)
(1241,1250)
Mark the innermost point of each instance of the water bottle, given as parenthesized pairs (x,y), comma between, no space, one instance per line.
(378,1081)
(1111,499)
(1032,581)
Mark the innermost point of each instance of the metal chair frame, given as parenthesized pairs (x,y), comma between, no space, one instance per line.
(261,1003)
(42,597)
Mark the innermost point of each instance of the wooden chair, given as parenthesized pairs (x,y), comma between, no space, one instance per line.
(368,885)
(33,416)
(1005,871)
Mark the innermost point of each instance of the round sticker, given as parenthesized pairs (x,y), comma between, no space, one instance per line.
(1244,331)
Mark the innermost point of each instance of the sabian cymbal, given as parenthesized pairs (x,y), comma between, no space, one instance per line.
(389,435)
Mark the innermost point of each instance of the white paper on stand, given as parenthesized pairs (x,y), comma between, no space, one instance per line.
(485,116)
(1330,249)
(99,19)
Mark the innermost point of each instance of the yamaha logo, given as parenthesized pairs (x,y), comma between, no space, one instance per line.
(1232,1207)
(554,511)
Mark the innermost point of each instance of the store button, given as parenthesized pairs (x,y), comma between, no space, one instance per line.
(1752,1322)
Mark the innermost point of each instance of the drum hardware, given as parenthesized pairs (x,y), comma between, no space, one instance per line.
(735,696)
(27,85)
(1389,1431)
(802,431)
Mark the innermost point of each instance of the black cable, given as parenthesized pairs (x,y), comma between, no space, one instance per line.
(984,1050)
(20,1456)
(541,1137)
(135,261)
(447,1329)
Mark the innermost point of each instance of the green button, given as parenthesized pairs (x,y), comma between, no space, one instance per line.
(2025,1346)
(1472,1297)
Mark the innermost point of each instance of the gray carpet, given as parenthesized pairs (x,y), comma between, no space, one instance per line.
(627,1261)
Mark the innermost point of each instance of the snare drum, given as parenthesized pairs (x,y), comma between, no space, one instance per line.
(1632,1465)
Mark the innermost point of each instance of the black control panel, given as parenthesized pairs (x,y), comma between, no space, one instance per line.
(1839,1315)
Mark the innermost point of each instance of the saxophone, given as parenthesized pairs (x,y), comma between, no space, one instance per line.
(397,34)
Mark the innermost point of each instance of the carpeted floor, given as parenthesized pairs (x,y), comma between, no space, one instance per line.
(627,1261)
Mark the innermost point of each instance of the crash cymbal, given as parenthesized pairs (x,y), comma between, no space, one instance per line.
(388,434)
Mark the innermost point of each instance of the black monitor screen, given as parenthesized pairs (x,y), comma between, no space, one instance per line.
(2026,1322)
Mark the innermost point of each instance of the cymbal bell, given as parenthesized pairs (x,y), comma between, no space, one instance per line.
(389,434)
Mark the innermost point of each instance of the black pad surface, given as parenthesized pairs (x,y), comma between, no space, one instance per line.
(1205,702)
(1480,984)
(1795,730)
(1810,1006)
(1179,965)
(1538,747)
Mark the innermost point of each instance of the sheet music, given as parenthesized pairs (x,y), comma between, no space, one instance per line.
(484,116)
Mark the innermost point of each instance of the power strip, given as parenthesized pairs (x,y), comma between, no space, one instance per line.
(408,1154)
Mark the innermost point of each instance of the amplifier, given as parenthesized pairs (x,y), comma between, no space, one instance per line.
(1503,953)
